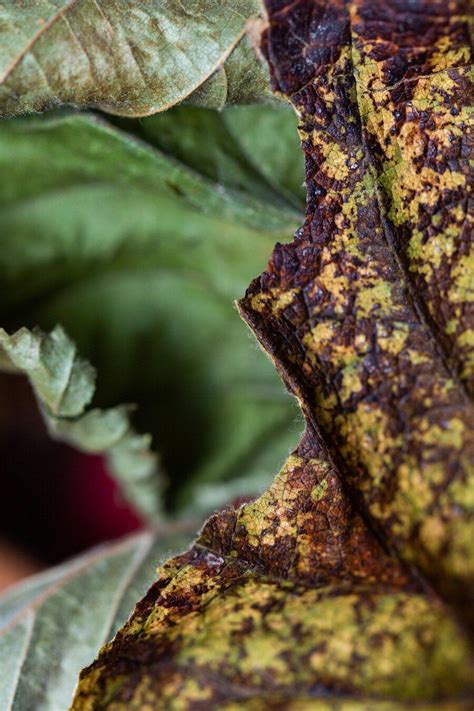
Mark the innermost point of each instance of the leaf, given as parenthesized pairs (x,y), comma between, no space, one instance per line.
(362,338)
(349,583)
(64,385)
(49,628)
(131,60)
(235,147)
(139,254)
(241,79)
(290,597)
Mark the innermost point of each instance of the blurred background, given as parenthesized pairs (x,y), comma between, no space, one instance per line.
(56,501)
(136,237)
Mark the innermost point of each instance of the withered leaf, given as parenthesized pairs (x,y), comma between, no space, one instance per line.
(348,584)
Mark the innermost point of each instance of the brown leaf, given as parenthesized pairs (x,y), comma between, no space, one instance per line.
(348,578)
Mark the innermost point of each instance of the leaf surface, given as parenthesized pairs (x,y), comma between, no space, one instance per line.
(348,583)
(52,623)
(131,60)
(235,147)
(138,250)
(64,385)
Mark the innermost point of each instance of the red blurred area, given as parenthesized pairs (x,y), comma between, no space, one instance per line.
(55,501)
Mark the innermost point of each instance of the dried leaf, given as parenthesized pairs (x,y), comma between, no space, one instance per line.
(129,59)
(349,583)
(290,598)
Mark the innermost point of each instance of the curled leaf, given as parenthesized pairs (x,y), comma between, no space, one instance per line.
(64,385)
(241,79)
(292,597)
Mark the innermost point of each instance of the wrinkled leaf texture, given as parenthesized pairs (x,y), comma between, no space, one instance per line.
(348,584)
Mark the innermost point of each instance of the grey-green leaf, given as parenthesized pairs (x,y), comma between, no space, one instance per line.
(64,384)
(53,624)
(242,79)
(132,59)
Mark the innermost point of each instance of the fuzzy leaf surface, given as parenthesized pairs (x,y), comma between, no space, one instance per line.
(130,59)
(64,385)
(52,623)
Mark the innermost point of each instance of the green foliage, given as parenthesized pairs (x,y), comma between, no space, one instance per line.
(138,249)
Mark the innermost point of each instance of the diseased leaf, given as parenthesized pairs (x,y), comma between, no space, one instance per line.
(64,385)
(291,596)
(349,583)
(341,308)
(129,59)
(51,624)
(139,254)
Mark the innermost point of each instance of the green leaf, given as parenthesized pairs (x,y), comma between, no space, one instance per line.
(235,147)
(51,624)
(64,385)
(139,254)
(264,137)
(131,60)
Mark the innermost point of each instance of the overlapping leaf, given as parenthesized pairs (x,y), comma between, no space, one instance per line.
(130,59)
(52,624)
(138,251)
(344,585)
(233,145)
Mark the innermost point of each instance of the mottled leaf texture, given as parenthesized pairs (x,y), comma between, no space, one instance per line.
(128,58)
(348,584)
(64,385)
(51,624)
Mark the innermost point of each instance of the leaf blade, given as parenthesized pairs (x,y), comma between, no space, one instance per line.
(130,61)
(64,384)
(56,630)
(300,565)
